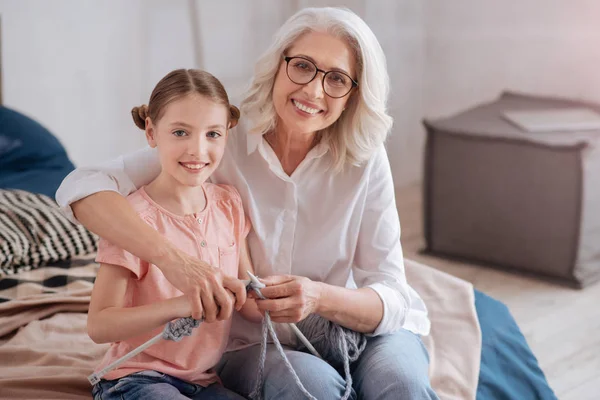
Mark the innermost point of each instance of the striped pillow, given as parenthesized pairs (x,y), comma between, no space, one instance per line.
(34,232)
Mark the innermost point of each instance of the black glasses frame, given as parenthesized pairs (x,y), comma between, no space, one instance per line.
(317,70)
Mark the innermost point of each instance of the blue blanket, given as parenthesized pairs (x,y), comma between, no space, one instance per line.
(509,370)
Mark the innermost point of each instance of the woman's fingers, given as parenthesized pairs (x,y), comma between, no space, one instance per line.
(288,316)
(277,305)
(268,305)
(238,288)
(282,289)
(206,289)
(201,283)
(224,301)
(276,279)
(289,298)
(194,298)
(210,308)
(283,310)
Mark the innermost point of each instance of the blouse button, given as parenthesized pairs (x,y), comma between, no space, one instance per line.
(203,244)
(199,220)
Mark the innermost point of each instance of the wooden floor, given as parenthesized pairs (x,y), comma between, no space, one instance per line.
(562,325)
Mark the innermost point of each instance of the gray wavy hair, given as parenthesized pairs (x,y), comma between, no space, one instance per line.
(365,123)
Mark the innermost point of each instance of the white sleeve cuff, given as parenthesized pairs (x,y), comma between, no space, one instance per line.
(394,309)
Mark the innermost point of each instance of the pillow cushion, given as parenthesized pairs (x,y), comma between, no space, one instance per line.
(31,158)
(34,232)
(501,196)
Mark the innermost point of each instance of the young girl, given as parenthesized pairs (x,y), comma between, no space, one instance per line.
(187,120)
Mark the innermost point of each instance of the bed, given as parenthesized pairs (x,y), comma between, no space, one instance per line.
(47,271)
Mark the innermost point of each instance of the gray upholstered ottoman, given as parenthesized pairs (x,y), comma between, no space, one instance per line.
(502,196)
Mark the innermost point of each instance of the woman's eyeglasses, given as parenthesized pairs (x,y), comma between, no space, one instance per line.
(301,71)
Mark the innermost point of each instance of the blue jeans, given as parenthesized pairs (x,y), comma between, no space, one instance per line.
(392,367)
(149,385)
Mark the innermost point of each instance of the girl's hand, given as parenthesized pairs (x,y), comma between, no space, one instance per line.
(181,306)
(289,298)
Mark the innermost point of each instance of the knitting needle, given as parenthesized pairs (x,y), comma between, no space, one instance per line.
(257,285)
(174,330)
(95,377)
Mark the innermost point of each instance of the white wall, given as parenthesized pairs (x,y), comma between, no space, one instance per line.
(400,28)
(78,66)
(475,49)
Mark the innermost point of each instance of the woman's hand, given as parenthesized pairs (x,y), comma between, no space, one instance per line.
(182,307)
(289,298)
(205,287)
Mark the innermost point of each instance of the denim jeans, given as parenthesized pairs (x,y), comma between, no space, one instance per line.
(392,367)
(149,385)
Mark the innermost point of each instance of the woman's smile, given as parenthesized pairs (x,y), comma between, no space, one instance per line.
(306,108)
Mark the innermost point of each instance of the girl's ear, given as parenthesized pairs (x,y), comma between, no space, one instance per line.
(234,116)
(150,133)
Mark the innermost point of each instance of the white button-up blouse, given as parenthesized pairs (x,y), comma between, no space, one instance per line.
(342,229)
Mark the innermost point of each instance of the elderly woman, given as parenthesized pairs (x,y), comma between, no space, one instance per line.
(314,176)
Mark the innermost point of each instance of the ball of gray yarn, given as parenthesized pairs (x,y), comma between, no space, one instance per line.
(333,342)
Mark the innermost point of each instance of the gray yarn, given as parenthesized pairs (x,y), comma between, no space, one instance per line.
(337,345)
(267,328)
(176,330)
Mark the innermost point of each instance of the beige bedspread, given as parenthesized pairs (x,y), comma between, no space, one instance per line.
(454,343)
(50,355)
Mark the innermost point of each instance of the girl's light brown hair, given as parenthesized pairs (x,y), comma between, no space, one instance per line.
(177,84)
